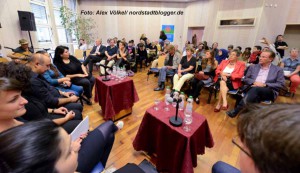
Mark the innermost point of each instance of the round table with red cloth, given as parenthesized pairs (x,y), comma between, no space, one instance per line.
(175,148)
(114,96)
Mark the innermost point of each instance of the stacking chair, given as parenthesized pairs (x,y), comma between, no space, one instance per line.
(161,61)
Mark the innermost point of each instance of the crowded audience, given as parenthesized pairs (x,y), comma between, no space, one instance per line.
(42,97)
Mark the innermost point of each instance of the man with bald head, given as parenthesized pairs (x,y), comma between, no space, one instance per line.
(96,55)
(42,91)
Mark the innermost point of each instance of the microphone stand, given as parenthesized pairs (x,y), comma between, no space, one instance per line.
(105,74)
(175,120)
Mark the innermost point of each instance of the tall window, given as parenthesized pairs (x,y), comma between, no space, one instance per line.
(43,25)
(48,22)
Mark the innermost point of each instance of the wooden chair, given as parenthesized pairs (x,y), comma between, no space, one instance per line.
(160,64)
(88,52)
(79,54)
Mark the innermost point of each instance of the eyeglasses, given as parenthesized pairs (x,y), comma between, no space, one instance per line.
(236,141)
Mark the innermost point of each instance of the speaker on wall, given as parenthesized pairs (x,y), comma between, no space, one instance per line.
(27,21)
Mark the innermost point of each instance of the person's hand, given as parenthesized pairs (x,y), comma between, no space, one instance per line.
(288,76)
(65,79)
(68,83)
(224,78)
(61,110)
(75,146)
(97,53)
(258,84)
(84,135)
(73,98)
(201,72)
(68,94)
(70,115)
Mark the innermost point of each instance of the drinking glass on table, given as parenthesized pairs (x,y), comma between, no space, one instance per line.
(156,102)
(109,73)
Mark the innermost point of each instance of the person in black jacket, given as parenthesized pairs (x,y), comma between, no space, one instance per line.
(96,55)
(208,67)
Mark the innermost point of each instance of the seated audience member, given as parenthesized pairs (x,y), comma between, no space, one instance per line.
(144,38)
(123,56)
(23,50)
(187,43)
(132,52)
(222,55)
(152,55)
(263,82)
(246,55)
(254,57)
(13,79)
(96,55)
(291,65)
(170,66)
(177,50)
(268,139)
(62,83)
(142,54)
(82,45)
(229,49)
(200,52)
(205,75)
(72,68)
(214,47)
(228,77)
(42,146)
(280,45)
(186,69)
(239,48)
(111,55)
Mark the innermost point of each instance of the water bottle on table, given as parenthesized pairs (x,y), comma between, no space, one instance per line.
(175,96)
(188,118)
(181,104)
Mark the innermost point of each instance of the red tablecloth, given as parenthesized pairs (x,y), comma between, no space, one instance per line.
(176,149)
(115,96)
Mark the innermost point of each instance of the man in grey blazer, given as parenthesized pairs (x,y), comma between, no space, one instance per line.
(263,82)
(96,55)
(170,65)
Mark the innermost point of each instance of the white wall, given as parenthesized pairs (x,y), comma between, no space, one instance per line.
(130,26)
(294,13)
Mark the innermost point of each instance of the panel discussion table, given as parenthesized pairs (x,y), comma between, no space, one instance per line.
(115,98)
(176,150)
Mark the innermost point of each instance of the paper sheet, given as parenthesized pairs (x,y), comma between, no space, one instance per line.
(82,128)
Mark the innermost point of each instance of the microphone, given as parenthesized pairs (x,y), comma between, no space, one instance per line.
(175,120)
(105,77)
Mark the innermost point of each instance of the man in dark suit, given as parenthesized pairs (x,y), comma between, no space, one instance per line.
(96,55)
(264,80)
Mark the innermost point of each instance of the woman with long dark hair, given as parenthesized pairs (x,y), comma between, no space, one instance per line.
(72,68)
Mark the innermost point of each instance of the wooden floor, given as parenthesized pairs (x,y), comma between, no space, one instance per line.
(223,130)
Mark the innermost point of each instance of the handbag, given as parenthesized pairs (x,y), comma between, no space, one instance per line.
(201,76)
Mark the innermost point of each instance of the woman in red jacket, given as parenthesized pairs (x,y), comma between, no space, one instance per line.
(230,73)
